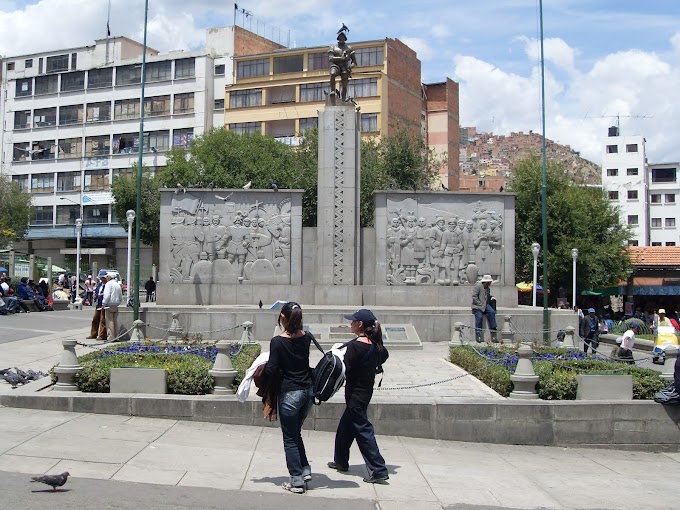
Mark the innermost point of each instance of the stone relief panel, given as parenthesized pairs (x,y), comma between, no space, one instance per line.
(431,242)
(227,236)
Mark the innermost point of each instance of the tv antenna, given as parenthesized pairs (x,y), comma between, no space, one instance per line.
(618,117)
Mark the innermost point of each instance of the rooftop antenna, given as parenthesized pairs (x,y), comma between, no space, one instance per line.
(108,32)
(618,118)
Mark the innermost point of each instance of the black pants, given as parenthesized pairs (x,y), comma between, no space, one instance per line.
(353,425)
(592,340)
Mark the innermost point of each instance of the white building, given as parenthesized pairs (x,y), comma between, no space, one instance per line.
(70,125)
(647,194)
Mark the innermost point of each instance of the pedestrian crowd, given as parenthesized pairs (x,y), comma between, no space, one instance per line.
(13,299)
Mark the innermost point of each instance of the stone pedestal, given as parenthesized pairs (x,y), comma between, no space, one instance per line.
(137,335)
(569,342)
(223,371)
(507,335)
(68,367)
(175,330)
(457,335)
(524,379)
(338,196)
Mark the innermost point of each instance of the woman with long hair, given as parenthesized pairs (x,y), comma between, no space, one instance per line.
(364,355)
(289,359)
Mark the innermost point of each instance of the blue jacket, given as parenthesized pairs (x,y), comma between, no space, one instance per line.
(25,292)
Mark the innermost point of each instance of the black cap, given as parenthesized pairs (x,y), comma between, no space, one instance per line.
(364,315)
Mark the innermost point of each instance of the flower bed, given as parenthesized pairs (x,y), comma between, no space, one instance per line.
(556,369)
(187,364)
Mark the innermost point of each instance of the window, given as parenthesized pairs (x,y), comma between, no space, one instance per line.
(125,143)
(45,117)
(70,148)
(96,214)
(318,61)
(42,215)
(369,122)
(656,222)
(43,150)
(156,106)
(670,223)
(24,87)
(314,91)
(369,56)
(40,66)
(632,243)
(28,63)
(631,147)
(96,180)
(67,214)
(183,103)
(21,181)
(367,87)
(71,114)
(157,141)
(68,181)
(99,112)
(655,198)
(670,198)
(10,66)
(20,152)
(46,84)
(632,219)
(631,171)
(74,61)
(125,173)
(100,78)
(244,98)
(219,70)
(42,183)
(656,243)
(97,146)
(243,128)
(73,81)
(670,243)
(632,194)
(612,149)
(159,71)
(126,109)
(185,68)
(663,174)
(308,123)
(182,137)
(22,119)
(613,195)
(288,64)
(129,75)
(57,63)
(252,68)
(219,104)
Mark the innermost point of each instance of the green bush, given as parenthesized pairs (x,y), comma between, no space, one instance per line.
(494,375)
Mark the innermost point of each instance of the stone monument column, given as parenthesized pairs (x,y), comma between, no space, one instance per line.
(338,259)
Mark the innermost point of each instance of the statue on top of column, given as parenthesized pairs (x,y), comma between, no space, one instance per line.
(342,60)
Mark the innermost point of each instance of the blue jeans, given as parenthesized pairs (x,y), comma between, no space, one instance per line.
(479,321)
(353,425)
(293,409)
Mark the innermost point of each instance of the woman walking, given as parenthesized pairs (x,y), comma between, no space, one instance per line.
(289,359)
(363,357)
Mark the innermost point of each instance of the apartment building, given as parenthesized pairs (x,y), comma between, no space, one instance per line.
(664,204)
(279,93)
(70,125)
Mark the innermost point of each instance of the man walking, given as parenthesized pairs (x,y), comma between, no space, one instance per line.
(113,297)
(592,338)
(481,306)
(150,287)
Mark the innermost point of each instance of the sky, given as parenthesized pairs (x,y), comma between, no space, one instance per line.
(603,58)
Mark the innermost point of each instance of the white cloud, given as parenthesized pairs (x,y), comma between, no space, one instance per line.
(556,51)
(420,46)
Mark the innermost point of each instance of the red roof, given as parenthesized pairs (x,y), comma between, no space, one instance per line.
(654,256)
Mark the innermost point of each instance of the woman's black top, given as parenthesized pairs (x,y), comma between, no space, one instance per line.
(291,356)
(360,365)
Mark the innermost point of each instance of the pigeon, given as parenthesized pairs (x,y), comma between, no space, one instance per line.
(180,188)
(247,186)
(21,373)
(34,376)
(11,378)
(275,186)
(260,303)
(4,371)
(53,480)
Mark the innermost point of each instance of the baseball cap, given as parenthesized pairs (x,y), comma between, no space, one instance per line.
(591,310)
(102,273)
(635,325)
(363,315)
(661,310)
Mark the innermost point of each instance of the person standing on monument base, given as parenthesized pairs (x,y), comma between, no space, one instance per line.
(482,307)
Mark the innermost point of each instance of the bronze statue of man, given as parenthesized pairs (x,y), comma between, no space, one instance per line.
(342,61)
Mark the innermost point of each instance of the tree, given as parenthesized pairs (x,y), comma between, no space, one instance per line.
(15,212)
(577,217)
(124,191)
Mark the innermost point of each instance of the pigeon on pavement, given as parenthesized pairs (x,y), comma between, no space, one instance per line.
(53,480)
(11,378)
(21,373)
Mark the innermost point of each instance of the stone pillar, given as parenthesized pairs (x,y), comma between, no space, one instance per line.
(457,335)
(31,267)
(137,335)
(223,371)
(569,342)
(507,334)
(247,335)
(68,367)
(175,330)
(338,240)
(12,265)
(524,379)
(669,364)
(49,274)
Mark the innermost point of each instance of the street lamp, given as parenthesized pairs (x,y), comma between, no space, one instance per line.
(574,256)
(79,228)
(130,215)
(535,249)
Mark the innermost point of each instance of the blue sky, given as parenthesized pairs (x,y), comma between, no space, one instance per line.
(602,57)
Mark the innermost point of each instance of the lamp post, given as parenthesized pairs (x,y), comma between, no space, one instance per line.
(79,228)
(535,249)
(135,301)
(544,190)
(574,256)
(130,215)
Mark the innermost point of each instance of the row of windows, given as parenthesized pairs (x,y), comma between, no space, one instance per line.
(295,63)
(658,243)
(654,198)
(633,220)
(614,172)
(67,215)
(99,112)
(614,149)
(103,78)
(54,64)
(88,180)
(124,143)
(369,124)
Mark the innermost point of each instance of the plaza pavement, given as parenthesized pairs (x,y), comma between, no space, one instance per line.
(424,474)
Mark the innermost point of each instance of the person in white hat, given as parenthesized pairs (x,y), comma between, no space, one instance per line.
(481,307)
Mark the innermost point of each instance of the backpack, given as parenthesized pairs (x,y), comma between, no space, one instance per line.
(328,375)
